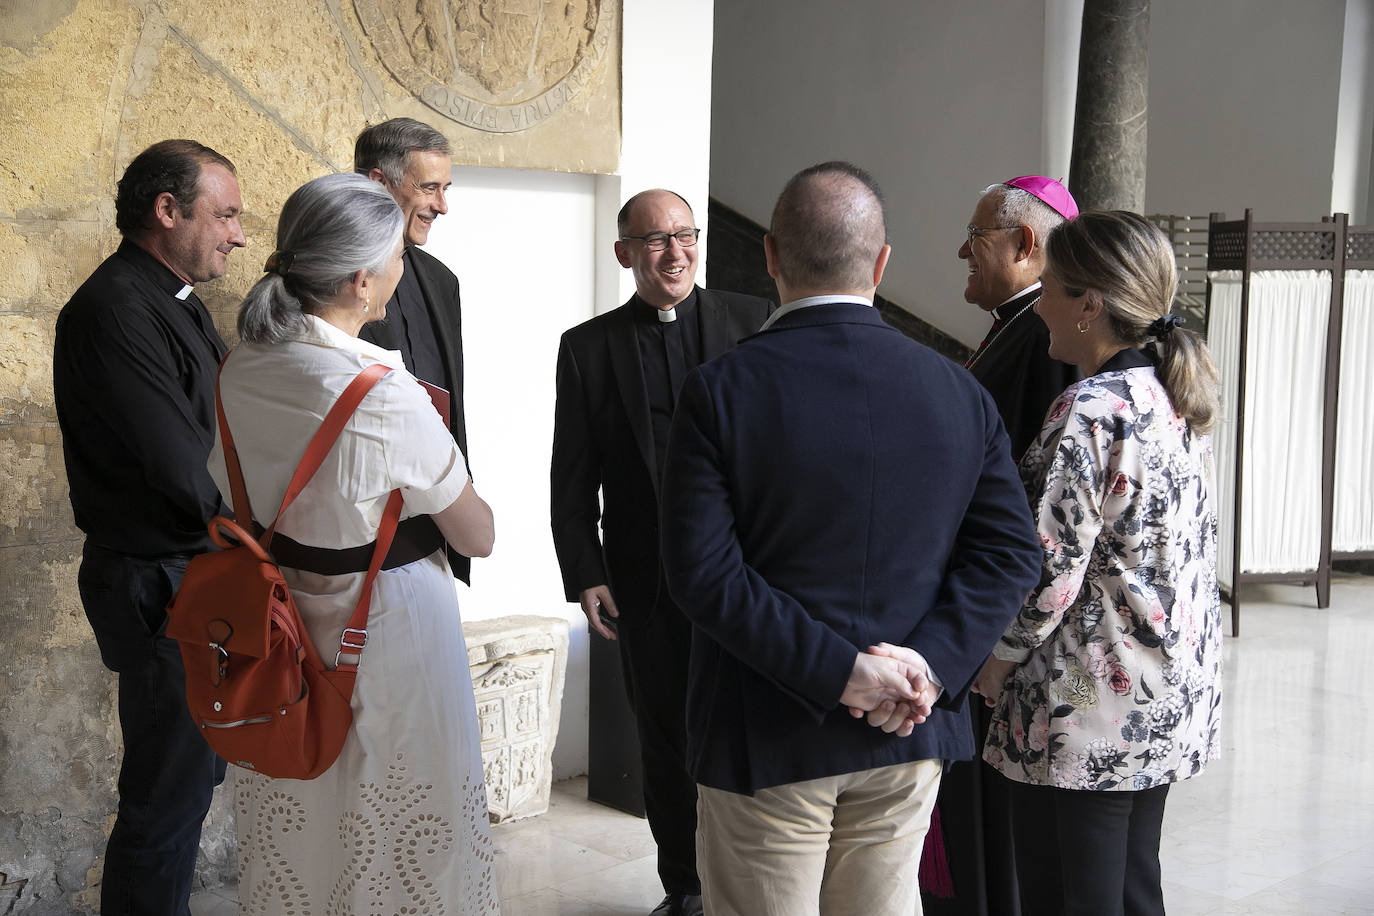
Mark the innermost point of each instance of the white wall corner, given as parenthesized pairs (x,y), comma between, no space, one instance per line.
(1353,157)
(665,77)
(1063,32)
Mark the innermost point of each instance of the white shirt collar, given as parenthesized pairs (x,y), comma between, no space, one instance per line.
(799,304)
(320,332)
(1031,288)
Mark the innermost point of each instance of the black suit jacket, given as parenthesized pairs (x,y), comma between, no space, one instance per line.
(1017,370)
(603,443)
(832,484)
(439,288)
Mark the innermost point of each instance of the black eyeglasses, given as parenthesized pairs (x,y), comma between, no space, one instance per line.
(975,231)
(657,241)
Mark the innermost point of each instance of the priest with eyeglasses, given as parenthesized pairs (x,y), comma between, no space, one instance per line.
(618,379)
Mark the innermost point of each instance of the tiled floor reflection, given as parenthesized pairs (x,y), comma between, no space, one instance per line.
(1282,825)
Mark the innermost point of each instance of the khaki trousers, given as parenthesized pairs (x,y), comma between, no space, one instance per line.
(848,844)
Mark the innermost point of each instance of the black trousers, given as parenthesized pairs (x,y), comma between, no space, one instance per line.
(975,818)
(1083,853)
(654,654)
(168,772)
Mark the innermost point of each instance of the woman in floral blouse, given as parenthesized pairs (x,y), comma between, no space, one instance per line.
(1107,686)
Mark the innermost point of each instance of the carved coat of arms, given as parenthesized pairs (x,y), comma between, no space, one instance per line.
(495,65)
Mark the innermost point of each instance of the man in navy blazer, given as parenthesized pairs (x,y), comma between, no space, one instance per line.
(844,526)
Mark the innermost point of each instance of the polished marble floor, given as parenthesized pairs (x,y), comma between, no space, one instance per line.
(1282,825)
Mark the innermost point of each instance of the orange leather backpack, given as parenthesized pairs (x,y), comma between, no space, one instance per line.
(255,683)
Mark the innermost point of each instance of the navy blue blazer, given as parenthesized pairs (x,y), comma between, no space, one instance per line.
(831,484)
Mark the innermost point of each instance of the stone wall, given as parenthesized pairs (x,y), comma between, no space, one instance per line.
(281,87)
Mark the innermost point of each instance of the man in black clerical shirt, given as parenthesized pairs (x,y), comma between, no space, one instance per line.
(134,368)
(618,380)
(424,317)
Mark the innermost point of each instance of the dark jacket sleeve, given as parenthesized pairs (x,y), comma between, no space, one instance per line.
(575,481)
(995,562)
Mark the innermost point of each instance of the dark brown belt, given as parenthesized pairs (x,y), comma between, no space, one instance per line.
(416,538)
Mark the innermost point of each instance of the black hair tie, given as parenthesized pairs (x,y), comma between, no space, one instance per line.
(278,262)
(1163,326)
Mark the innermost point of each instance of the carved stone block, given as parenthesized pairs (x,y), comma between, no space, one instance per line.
(517,666)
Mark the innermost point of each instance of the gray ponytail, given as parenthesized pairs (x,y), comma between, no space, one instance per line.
(329,229)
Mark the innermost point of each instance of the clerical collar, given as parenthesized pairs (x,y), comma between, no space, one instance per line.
(666,316)
(997,313)
(156,270)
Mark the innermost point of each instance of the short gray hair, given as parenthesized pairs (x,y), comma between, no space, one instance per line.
(329,229)
(1018,207)
(828,227)
(385,146)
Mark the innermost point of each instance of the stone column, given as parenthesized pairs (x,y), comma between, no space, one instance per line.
(1107,168)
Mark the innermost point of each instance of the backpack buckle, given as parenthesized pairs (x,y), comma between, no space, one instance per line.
(355,639)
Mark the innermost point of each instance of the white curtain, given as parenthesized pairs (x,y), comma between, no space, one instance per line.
(1353,527)
(1285,361)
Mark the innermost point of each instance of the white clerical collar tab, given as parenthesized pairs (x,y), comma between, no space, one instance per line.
(184,292)
(667,315)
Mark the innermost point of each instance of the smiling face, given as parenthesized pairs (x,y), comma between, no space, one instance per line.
(994,272)
(662,278)
(1061,313)
(421,192)
(197,246)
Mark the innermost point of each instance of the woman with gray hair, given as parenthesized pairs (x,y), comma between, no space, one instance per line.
(1106,687)
(399,822)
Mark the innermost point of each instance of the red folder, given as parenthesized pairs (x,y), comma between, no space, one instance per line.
(441,398)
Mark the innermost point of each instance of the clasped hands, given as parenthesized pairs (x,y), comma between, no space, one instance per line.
(890,685)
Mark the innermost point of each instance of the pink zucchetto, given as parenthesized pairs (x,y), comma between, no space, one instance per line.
(1050,191)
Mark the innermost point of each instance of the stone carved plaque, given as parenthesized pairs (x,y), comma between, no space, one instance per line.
(517,666)
(495,65)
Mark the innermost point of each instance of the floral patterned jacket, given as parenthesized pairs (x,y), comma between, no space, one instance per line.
(1119,681)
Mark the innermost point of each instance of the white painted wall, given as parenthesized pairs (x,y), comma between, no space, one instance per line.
(665,114)
(524,279)
(1063,30)
(1243,102)
(533,252)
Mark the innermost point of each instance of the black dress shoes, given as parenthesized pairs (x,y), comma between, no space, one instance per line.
(678,905)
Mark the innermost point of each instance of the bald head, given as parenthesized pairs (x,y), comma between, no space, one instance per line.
(627,214)
(829,231)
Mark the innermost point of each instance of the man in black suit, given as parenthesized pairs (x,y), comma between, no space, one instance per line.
(619,375)
(845,529)
(424,318)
